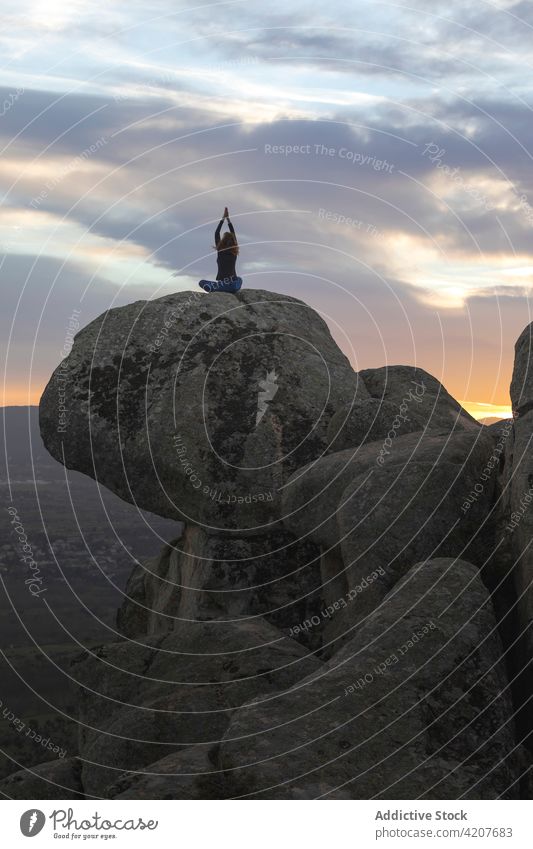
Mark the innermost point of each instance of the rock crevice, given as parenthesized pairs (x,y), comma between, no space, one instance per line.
(323,623)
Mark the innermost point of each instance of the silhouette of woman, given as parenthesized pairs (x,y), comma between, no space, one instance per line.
(227,253)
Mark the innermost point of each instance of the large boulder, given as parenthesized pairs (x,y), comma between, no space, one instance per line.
(188,774)
(522,379)
(368,420)
(415,508)
(416,706)
(199,407)
(307,492)
(143,700)
(377,510)
(403,399)
(60,779)
(203,576)
(519,516)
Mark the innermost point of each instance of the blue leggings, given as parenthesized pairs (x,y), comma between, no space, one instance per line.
(230,284)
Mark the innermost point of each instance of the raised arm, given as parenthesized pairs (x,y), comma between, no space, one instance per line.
(230,226)
(217,231)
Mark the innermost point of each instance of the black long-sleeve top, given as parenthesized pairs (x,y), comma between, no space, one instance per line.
(226,259)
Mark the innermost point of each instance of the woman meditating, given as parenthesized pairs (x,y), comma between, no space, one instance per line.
(227,252)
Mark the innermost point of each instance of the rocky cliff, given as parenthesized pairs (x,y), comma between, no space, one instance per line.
(335,617)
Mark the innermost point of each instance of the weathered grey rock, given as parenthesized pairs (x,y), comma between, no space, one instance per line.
(517,525)
(141,701)
(189,774)
(383,511)
(134,613)
(195,773)
(403,399)
(500,431)
(416,706)
(422,398)
(207,576)
(207,409)
(58,779)
(198,407)
(433,502)
(314,494)
(499,568)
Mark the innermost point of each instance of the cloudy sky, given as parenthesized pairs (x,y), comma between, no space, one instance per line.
(376,159)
